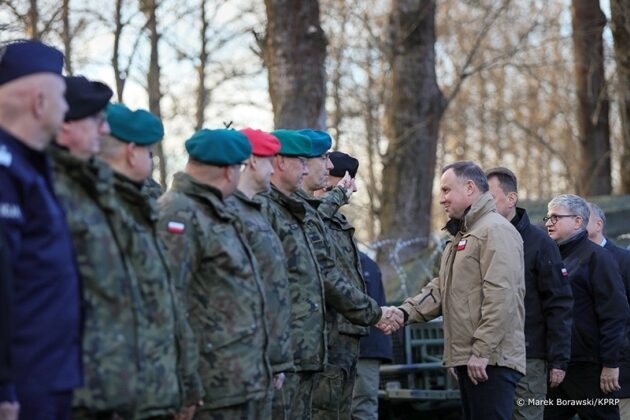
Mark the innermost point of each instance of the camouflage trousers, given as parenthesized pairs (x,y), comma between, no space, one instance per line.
(294,400)
(332,394)
(250,410)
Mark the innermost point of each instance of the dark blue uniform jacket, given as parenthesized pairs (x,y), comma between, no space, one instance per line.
(46,305)
(623,259)
(376,345)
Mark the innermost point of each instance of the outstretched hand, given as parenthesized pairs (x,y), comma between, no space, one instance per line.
(391,320)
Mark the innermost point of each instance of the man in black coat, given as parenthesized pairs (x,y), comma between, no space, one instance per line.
(548,301)
(595,227)
(600,315)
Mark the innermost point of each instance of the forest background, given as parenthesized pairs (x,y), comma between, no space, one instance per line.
(541,87)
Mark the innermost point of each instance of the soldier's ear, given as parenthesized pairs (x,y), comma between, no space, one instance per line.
(281,162)
(130,154)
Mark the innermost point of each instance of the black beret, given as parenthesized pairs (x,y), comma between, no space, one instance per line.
(343,162)
(85,97)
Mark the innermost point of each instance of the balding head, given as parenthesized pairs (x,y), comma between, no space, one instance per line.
(32,108)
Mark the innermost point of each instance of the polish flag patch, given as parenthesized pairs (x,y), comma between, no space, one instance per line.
(564,272)
(176,227)
(461,245)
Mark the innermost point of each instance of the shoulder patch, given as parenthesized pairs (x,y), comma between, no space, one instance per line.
(10,211)
(5,156)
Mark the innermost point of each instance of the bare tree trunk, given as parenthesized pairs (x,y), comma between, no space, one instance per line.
(67,36)
(620,12)
(372,130)
(153,79)
(294,53)
(337,54)
(413,120)
(202,91)
(33,20)
(595,170)
(119,74)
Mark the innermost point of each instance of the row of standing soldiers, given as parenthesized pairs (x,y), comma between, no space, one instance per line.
(237,295)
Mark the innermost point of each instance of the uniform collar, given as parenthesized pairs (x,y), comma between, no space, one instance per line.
(186,184)
(295,206)
(484,204)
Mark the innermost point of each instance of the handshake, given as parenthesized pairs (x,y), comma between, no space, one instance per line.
(391,320)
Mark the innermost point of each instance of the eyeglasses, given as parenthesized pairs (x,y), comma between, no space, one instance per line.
(554,217)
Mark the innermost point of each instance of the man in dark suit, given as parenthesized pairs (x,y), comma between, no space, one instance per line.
(596,226)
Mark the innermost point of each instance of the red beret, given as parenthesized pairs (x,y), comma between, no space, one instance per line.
(263,144)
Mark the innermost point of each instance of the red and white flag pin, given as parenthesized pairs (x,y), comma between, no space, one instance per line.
(461,245)
(564,272)
(176,227)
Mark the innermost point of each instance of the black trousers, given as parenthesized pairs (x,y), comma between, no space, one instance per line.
(489,400)
(580,386)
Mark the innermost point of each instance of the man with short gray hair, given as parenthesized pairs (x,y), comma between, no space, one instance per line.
(596,226)
(600,313)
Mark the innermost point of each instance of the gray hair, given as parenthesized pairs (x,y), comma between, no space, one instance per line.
(469,170)
(574,204)
(599,213)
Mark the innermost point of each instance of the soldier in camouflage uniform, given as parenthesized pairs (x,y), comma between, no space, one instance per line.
(85,189)
(223,291)
(343,351)
(332,397)
(308,252)
(165,371)
(267,248)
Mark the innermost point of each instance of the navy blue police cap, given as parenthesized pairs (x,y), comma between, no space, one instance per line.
(85,97)
(25,57)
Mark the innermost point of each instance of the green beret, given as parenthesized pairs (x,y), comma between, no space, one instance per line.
(293,143)
(320,139)
(221,147)
(138,127)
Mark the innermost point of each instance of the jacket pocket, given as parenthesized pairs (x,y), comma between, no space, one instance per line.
(215,341)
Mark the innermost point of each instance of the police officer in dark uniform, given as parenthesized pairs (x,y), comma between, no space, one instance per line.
(8,409)
(46,316)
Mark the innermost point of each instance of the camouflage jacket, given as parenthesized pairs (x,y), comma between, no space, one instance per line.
(160,327)
(340,294)
(347,254)
(223,293)
(110,354)
(267,248)
(308,331)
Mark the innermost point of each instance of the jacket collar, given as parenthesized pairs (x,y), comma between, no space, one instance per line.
(483,205)
(572,243)
(134,193)
(94,174)
(295,206)
(186,184)
(252,202)
(521,220)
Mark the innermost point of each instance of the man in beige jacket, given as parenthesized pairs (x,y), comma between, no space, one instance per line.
(479,292)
